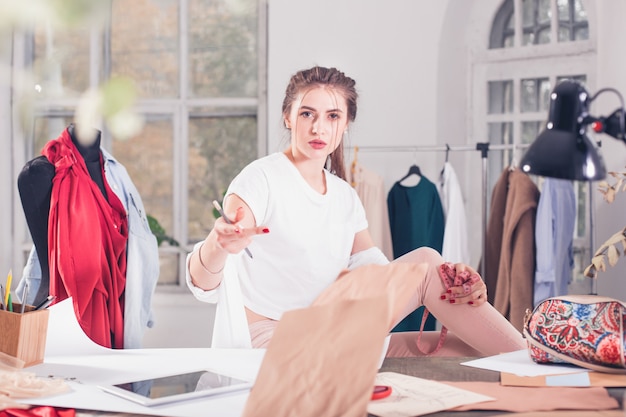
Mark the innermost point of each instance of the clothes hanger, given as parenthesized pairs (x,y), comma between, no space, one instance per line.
(413,170)
(446,161)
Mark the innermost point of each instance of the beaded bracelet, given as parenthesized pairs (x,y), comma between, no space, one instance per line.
(202,263)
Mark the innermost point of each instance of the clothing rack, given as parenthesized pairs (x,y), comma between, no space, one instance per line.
(482,147)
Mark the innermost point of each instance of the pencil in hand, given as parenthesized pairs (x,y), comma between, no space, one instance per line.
(227,220)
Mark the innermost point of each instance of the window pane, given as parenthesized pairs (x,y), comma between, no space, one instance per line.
(573,24)
(563,10)
(500,97)
(544,90)
(581,34)
(528,13)
(149,160)
(223,48)
(580,15)
(532,94)
(144,45)
(528,39)
(60,62)
(219,147)
(46,129)
(499,134)
(510,24)
(564,33)
(509,32)
(530,131)
(543,36)
(544,13)
(529,95)
(509,41)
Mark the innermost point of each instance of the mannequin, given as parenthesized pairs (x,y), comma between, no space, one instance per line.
(35,187)
(114,289)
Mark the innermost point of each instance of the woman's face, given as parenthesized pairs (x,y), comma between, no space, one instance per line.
(318,120)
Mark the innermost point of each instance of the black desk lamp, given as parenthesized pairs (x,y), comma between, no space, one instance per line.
(563,149)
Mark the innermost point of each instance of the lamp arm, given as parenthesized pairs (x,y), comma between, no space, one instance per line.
(615,124)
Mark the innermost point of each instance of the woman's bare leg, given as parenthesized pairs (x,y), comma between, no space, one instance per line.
(481,327)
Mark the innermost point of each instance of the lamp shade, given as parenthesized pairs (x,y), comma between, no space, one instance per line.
(563,149)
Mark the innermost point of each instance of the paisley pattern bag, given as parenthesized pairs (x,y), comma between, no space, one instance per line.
(584,330)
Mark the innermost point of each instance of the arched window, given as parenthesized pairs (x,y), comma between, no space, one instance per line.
(532,45)
(536,22)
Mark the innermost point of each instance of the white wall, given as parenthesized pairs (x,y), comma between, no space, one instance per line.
(180,321)
(387,47)
(611,72)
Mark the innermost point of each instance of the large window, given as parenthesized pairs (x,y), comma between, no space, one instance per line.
(197,67)
(533,45)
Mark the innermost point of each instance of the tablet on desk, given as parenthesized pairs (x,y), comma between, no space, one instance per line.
(179,387)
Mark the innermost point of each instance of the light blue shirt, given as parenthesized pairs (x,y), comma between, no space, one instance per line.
(142,258)
(554,235)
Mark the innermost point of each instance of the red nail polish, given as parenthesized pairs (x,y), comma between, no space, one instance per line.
(449,291)
(443,297)
(452,301)
(470,303)
(266,230)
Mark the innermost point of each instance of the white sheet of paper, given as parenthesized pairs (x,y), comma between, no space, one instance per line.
(65,337)
(411,396)
(520,363)
(71,355)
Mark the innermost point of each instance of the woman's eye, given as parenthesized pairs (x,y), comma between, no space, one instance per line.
(306,114)
(333,116)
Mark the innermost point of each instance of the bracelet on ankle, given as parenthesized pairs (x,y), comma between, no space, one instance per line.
(204,266)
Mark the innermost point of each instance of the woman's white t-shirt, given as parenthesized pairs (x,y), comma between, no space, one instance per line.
(310,239)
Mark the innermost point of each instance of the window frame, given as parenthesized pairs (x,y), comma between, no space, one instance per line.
(180,110)
(520,62)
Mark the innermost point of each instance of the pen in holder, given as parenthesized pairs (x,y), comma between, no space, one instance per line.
(23,336)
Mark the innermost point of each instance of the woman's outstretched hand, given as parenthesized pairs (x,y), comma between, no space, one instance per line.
(463,284)
(232,235)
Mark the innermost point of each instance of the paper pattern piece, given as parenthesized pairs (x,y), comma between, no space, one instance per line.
(522,399)
(321,361)
(399,282)
(591,378)
(411,396)
(21,384)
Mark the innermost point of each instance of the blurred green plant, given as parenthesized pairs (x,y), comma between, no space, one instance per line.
(159,232)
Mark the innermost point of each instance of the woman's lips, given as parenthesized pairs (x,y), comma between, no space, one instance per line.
(317,144)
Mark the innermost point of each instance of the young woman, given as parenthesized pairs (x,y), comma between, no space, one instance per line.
(301,224)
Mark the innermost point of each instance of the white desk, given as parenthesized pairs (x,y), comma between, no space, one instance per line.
(72,356)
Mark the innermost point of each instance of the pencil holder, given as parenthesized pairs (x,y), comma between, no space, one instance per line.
(23,335)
